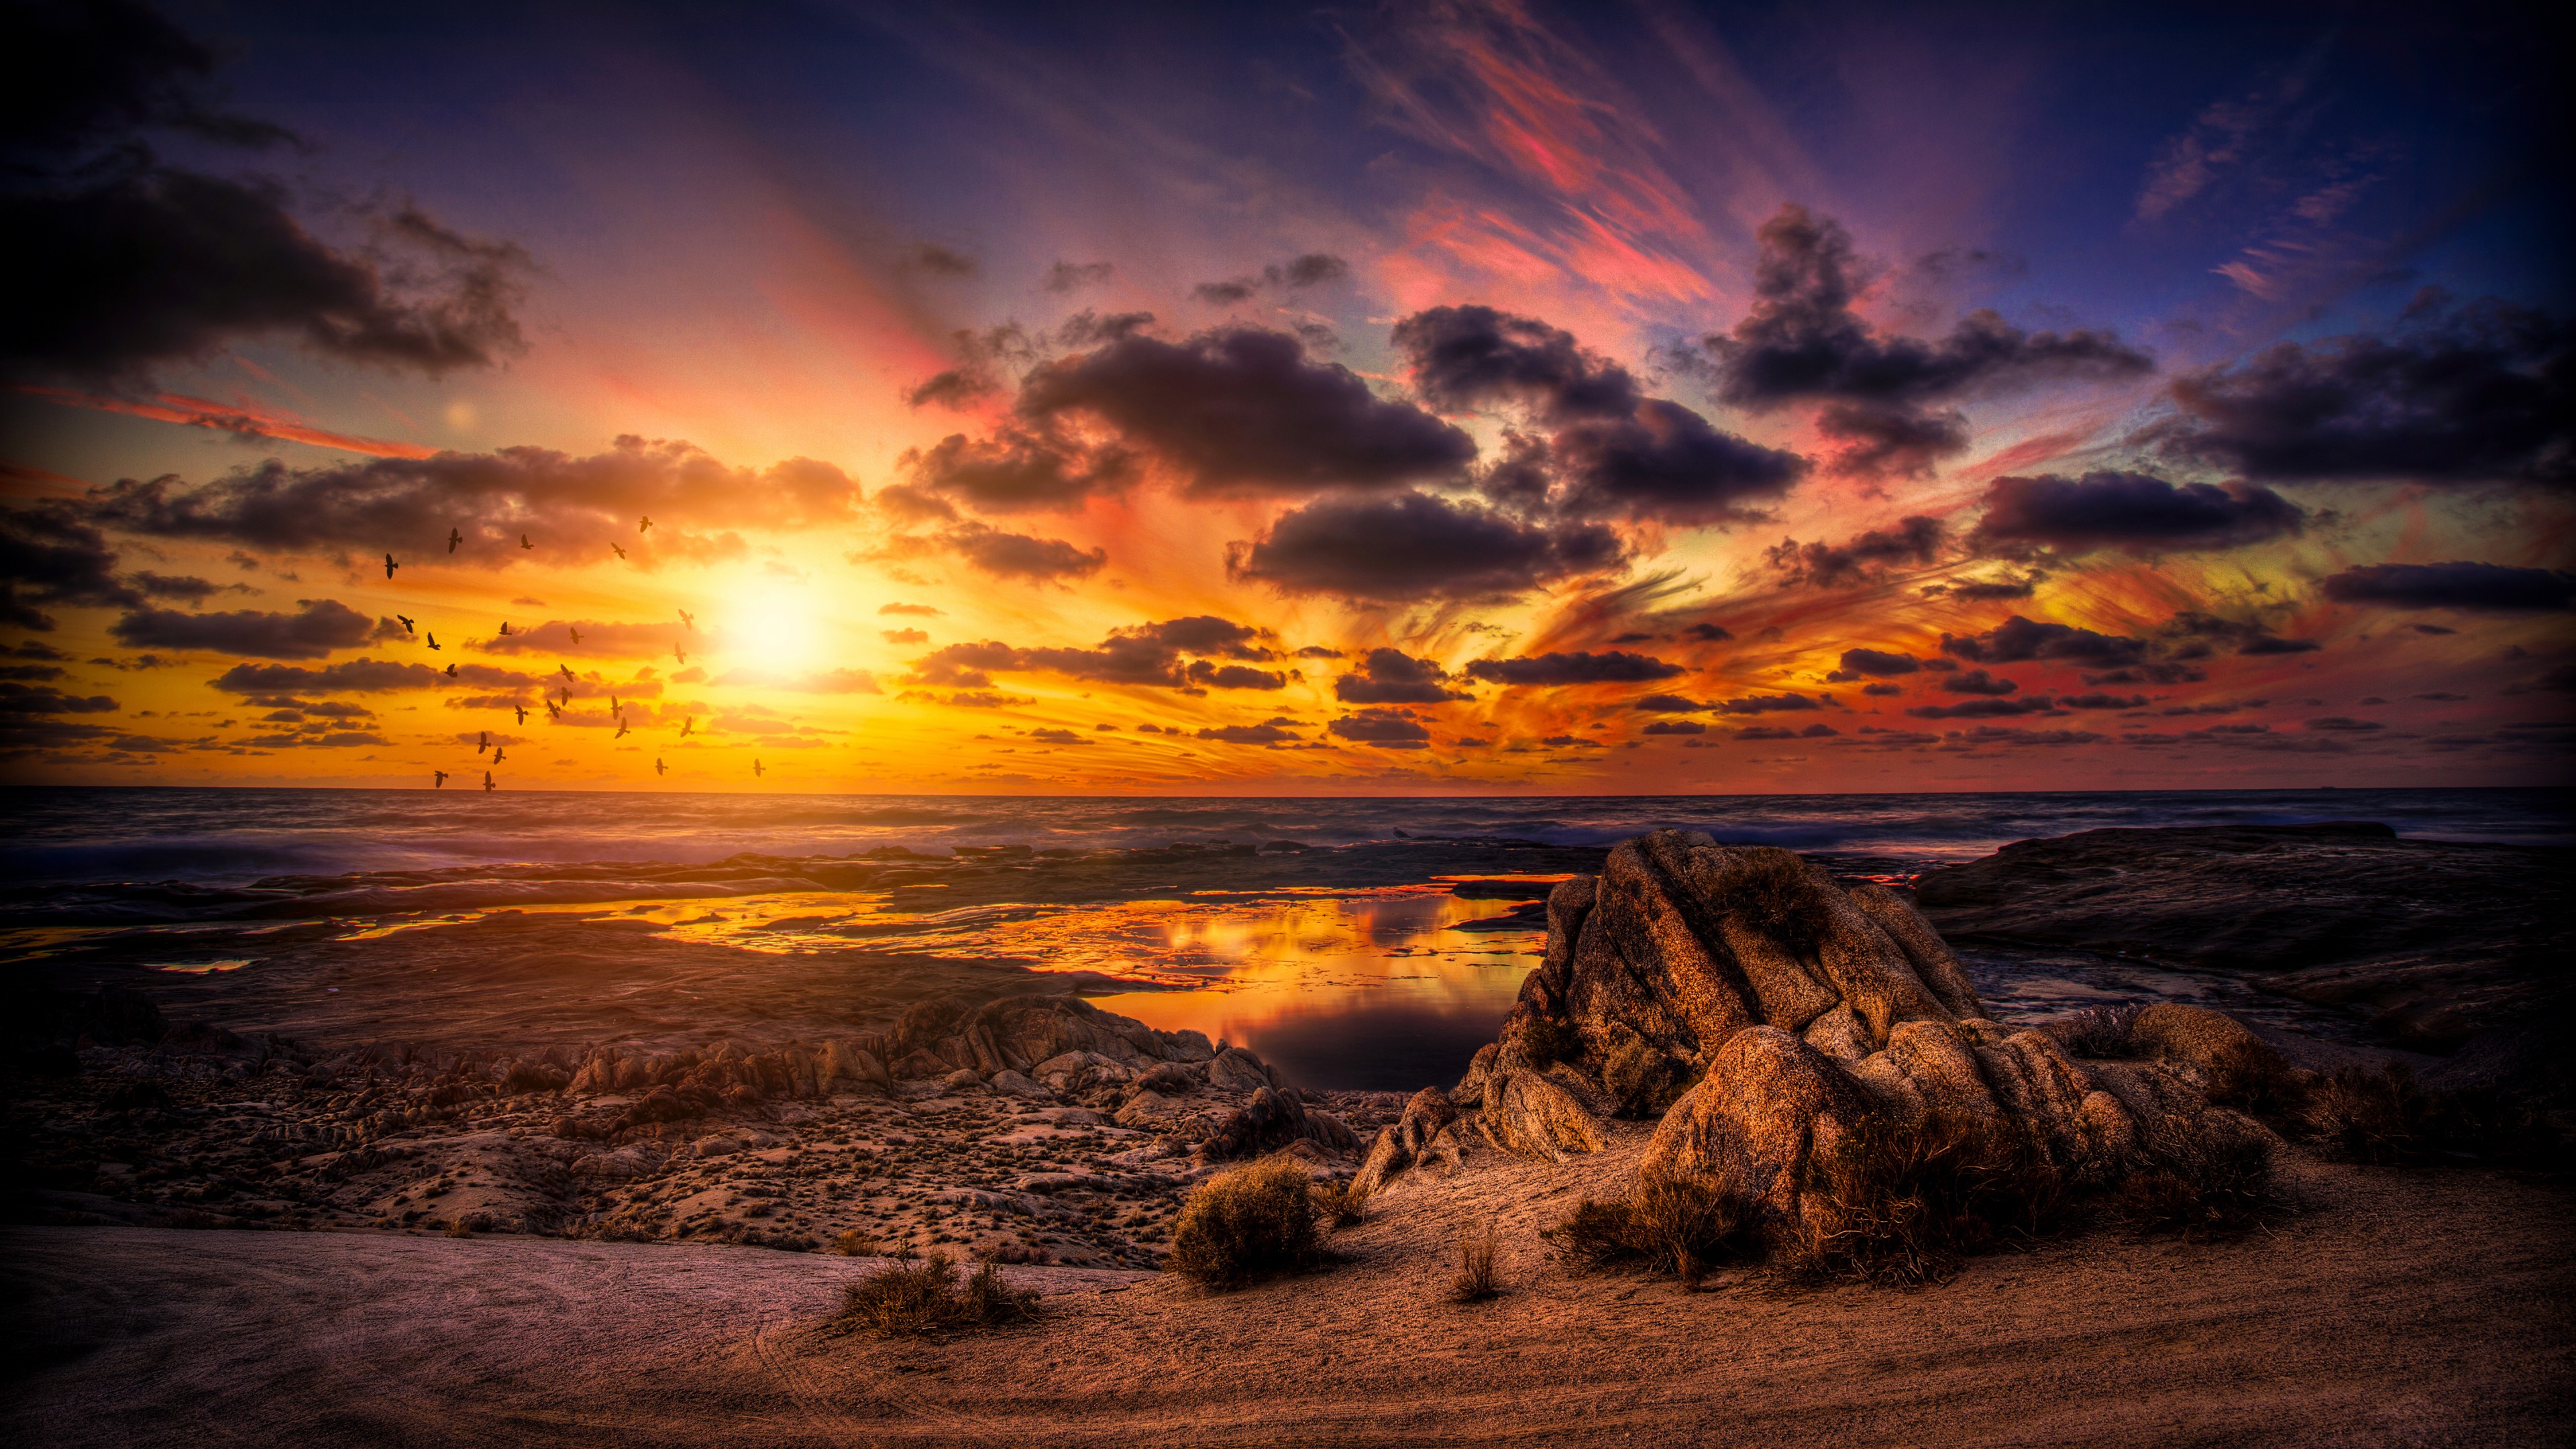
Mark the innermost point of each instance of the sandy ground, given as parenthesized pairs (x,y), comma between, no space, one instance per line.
(2395,1307)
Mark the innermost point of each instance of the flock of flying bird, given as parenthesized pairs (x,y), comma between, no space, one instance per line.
(554,710)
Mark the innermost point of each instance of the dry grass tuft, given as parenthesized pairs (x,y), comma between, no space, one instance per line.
(2387,1117)
(2252,1077)
(2197,1182)
(1340,1204)
(1902,1205)
(1684,1226)
(1243,1226)
(1474,1281)
(857,1243)
(923,1299)
(2099,1032)
(1547,1039)
(1645,1081)
(1775,892)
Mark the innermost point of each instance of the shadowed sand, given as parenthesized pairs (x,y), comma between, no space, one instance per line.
(2396,1307)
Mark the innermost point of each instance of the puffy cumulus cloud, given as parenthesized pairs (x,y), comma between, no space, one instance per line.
(1706,633)
(1413,546)
(1610,451)
(2135,512)
(1611,666)
(2480,587)
(1394,729)
(354,676)
(1667,704)
(1007,555)
(817,681)
(2200,634)
(1144,654)
(2465,394)
(1018,470)
(1244,411)
(1801,341)
(312,632)
(1767,704)
(48,555)
(1978,681)
(1985,708)
(1675,727)
(592,639)
(562,504)
(147,263)
(1873,664)
(2018,640)
(1391,676)
(1255,734)
(1866,558)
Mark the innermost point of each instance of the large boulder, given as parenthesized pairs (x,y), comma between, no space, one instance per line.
(1758,1010)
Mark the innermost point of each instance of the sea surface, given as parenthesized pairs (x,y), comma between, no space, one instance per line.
(1359,942)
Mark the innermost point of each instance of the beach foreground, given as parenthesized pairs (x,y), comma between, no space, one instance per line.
(2396,1306)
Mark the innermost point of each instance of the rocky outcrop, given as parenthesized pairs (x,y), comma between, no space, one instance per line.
(1757,1011)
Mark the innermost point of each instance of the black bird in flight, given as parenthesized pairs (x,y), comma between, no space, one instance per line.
(680,654)
(621,729)
(613,706)
(621,549)
(659,768)
(484,743)
(505,628)
(688,621)
(453,539)
(687,725)
(756,769)
(523,542)
(523,712)
(433,638)
(451,671)
(497,753)
(390,566)
(576,634)
(405,622)
(568,674)
(646,526)
(552,711)
(442,779)
(487,779)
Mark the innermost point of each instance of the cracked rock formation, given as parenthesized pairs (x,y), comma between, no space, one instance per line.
(1761,1010)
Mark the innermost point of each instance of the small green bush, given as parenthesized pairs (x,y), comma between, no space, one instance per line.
(1684,1226)
(1243,1226)
(922,1299)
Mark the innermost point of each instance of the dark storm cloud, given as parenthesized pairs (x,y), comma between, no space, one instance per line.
(1071,276)
(1392,729)
(1707,633)
(1985,708)
(184,586)
(1667,704)
(1767,704)
(1146,654)
(2485,587)
(2199,632)
(407,505)
(1782,732)
(2469,394)
(1018,470)
(1415,546)
(1260,734)
(954,388)
(355,676)
(25,699)
(1242,410)
(1916,540)
(1611,451)
(2132,511)
(2017,640)
(312,632)
(1675,727)
(1391,676)
(1978,681)
(1612,666)
(1020,555)
(1803,342)
(146,262)
(1873,664)
(48,555)
(2100,700)
(1297,273)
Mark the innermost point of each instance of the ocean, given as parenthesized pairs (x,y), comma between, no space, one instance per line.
(1360,942)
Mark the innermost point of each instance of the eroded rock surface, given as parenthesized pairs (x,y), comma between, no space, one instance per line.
(1757,1010)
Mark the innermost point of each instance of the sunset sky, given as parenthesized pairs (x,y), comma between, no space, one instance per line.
(1421,398)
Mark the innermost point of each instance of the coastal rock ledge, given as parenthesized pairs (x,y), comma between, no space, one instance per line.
(1761,1011)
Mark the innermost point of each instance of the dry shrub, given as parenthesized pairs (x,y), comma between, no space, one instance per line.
(2198,1182)
(2387,1117)
(2252,1076)
(2098,1031)
(1684,1226)
(1645,1081)
(1547,1039)
(1775,892)
(857,1243)
(1340,1204)
(921,1299)
(1474,1280)
(1246,1225)
(1899,1205)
